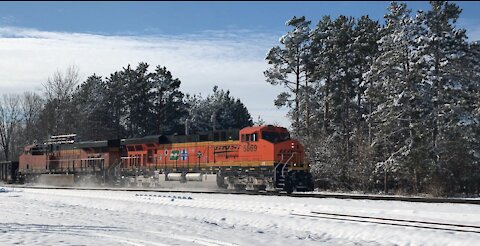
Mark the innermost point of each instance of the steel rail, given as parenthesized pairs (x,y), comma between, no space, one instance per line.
(296,194)
(397,220)
(344,217)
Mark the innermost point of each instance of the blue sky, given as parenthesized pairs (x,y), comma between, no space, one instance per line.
(174,18)
(202,43)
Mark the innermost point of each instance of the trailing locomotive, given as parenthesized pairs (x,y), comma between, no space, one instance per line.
(254,158)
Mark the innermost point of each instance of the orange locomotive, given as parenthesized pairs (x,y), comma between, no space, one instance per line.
(261,157)
(254,158)
(63,155)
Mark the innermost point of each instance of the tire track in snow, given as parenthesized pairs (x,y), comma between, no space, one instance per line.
(128,240)
(199,240)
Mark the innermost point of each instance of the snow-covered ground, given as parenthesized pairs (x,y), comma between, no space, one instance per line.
(83,217)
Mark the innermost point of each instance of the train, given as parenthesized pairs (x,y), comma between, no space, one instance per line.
(253,158)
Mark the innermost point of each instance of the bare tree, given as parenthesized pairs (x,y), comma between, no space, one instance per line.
(58,106)
(31,105)
(10,119)
(61,85)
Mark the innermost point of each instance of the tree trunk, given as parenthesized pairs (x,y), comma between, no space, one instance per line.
(385,187)
(307,108)
(297,88)
(325,102)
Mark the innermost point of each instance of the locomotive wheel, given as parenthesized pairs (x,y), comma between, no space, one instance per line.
(221,181)
(288,185)
(240,187)
(310,183)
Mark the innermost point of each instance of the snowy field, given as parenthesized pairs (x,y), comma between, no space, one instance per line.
(82,217)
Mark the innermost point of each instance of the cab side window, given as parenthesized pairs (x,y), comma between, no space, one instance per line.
(250,137)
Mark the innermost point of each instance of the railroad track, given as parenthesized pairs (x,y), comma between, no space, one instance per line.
(298,194)
(430,225)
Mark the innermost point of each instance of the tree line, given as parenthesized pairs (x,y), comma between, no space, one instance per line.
(131,102)
(384,107)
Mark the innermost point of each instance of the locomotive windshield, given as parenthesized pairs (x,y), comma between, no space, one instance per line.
(275,137)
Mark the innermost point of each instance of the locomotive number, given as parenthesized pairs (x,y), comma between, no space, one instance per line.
(250,148)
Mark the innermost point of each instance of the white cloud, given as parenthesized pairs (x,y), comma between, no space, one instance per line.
(232,61)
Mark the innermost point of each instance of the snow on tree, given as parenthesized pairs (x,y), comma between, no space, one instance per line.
(289,68)
(219,110)
(445,51)
(397,93)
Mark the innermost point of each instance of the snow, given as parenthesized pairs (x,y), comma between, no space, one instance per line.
(86,217)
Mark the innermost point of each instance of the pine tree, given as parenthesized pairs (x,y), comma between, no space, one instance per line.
(93,119)
(444,50)
(290,66)
(323,62)
(367,34)
(116,104)
(342,89)
(225,111)
(168,107)
(398,94)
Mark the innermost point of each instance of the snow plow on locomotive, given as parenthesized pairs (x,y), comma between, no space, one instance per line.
(254,158)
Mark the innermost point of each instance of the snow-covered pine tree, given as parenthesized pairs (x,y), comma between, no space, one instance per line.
(366,35)
(397,95)
(445,51)
(322,65)
(228,112)
(341,51)
(342,91)
(289,68)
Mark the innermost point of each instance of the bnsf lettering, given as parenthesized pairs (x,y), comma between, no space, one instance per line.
(226,148)
(250,148)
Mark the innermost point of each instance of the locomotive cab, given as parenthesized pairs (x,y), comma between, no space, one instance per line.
(276,145)
(273,147)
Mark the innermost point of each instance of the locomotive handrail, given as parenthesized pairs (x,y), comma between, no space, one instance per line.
(275,169)
(114,167)
(284,165)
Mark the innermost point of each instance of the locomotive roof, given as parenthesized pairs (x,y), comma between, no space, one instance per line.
(218,135)
(263,127)
(97,144)
(88,144)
